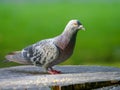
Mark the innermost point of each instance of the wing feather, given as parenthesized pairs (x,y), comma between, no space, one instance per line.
(41,53)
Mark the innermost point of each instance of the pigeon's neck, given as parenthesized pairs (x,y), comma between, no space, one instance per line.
(68,35)
(67,39)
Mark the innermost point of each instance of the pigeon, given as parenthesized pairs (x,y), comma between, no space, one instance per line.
(49,52)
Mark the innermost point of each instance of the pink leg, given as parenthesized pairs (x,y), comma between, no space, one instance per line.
(52,71)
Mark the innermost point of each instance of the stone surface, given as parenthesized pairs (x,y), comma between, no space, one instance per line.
(24,77)
(114,87)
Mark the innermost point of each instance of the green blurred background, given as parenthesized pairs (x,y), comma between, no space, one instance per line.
(24,22)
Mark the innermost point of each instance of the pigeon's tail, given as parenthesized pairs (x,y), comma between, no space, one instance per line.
(17,57)
(4,61)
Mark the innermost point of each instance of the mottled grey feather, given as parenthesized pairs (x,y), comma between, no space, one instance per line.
(41,53)
(17,57)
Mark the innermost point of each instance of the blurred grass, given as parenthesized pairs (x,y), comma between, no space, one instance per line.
(22,24)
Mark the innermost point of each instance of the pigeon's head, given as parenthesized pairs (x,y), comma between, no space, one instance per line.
(74,25)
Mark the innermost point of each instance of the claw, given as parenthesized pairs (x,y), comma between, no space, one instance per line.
(54,72)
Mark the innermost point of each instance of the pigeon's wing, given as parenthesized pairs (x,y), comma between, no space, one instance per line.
(41,53)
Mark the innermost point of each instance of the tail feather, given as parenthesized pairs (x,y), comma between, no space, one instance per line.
(17,57)
(6,61)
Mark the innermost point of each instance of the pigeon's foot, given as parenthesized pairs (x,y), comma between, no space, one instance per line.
(54,72)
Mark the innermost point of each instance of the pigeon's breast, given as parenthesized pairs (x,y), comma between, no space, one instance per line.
(64,54)
(65,46)
(67,52)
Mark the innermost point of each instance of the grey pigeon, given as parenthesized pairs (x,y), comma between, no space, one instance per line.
(49,52)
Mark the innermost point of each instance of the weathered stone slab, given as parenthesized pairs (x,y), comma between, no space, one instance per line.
(30,77)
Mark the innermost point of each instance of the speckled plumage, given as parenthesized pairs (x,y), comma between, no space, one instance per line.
(49,52)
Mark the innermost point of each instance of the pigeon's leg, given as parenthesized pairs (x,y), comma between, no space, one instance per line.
(52,71)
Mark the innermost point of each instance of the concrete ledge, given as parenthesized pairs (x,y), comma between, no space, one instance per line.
(85,77)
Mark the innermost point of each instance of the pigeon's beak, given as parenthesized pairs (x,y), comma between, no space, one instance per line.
(81,28)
